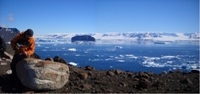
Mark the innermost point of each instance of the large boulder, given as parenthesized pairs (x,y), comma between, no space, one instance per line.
(38,74)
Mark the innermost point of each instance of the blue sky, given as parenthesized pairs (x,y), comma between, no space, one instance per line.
(90,16)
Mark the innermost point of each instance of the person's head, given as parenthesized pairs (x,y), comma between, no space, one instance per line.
(28,33)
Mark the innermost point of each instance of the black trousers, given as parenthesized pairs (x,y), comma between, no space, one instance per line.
(15,60)
(1,53)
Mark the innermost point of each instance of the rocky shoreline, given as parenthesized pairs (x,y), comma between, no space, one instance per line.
(88,80)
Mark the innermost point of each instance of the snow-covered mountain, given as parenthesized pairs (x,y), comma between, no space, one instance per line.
(66,37)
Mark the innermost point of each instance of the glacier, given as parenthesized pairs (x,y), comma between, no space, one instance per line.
(120,38)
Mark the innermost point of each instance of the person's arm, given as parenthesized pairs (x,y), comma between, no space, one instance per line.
(31,49)
(14,40)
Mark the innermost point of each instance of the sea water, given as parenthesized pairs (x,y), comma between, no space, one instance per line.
(127,57)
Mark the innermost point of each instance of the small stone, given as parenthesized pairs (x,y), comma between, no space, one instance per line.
(121,84)
(2,63)
(90,73)
(9,72)
(110,73)
(117,71)
(187,81)
(90,68)
(49,59)
(164,72)
(83,76)
(87,86)
(144,83)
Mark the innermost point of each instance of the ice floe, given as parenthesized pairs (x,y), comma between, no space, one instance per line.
(152,64)
(131,56)
(72,49)
(120,60)
(168,57)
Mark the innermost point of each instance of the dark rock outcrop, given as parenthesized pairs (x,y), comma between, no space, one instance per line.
(34,55)
(82,38)
(59,59)
(8,33)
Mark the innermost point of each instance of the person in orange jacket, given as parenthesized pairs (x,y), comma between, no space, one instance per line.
(24,46)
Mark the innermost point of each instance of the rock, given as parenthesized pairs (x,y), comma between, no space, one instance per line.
(144,83)
(194,71)
(34,55)
(59,59)
(38,74)
(121,84)
(86,86)
(3,63)
(83,75)
(164,72)
(187,81)
(90,68)
(117,71)
(110,73)
(7,55)
(171,71)
(142,75)
(178,71)
(49,59)
(9,72)
(90,73)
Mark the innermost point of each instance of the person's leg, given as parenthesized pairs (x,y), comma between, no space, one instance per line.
(1,53)
(13,65)
(14,62)
(15,79)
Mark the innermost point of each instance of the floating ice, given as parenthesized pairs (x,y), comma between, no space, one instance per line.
(77,55)
(73,63)
(168,57)
(169,62)
(131,56)
(120,60)
(108,59)
(63,48)
(44,50)
(72,49)
(121,55)
(151,58)
(38,45)
(193,66)
(97,56)
(149,63)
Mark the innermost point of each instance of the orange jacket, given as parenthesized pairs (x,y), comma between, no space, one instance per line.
(26,45)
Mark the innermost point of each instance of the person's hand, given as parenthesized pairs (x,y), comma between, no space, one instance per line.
(16,48)
(25,53)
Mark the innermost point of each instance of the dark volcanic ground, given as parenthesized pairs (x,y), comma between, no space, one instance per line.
(89,80)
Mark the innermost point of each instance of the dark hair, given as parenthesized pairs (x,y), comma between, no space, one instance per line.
(29,32)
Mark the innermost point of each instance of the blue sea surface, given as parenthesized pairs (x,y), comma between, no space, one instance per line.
(127,57)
